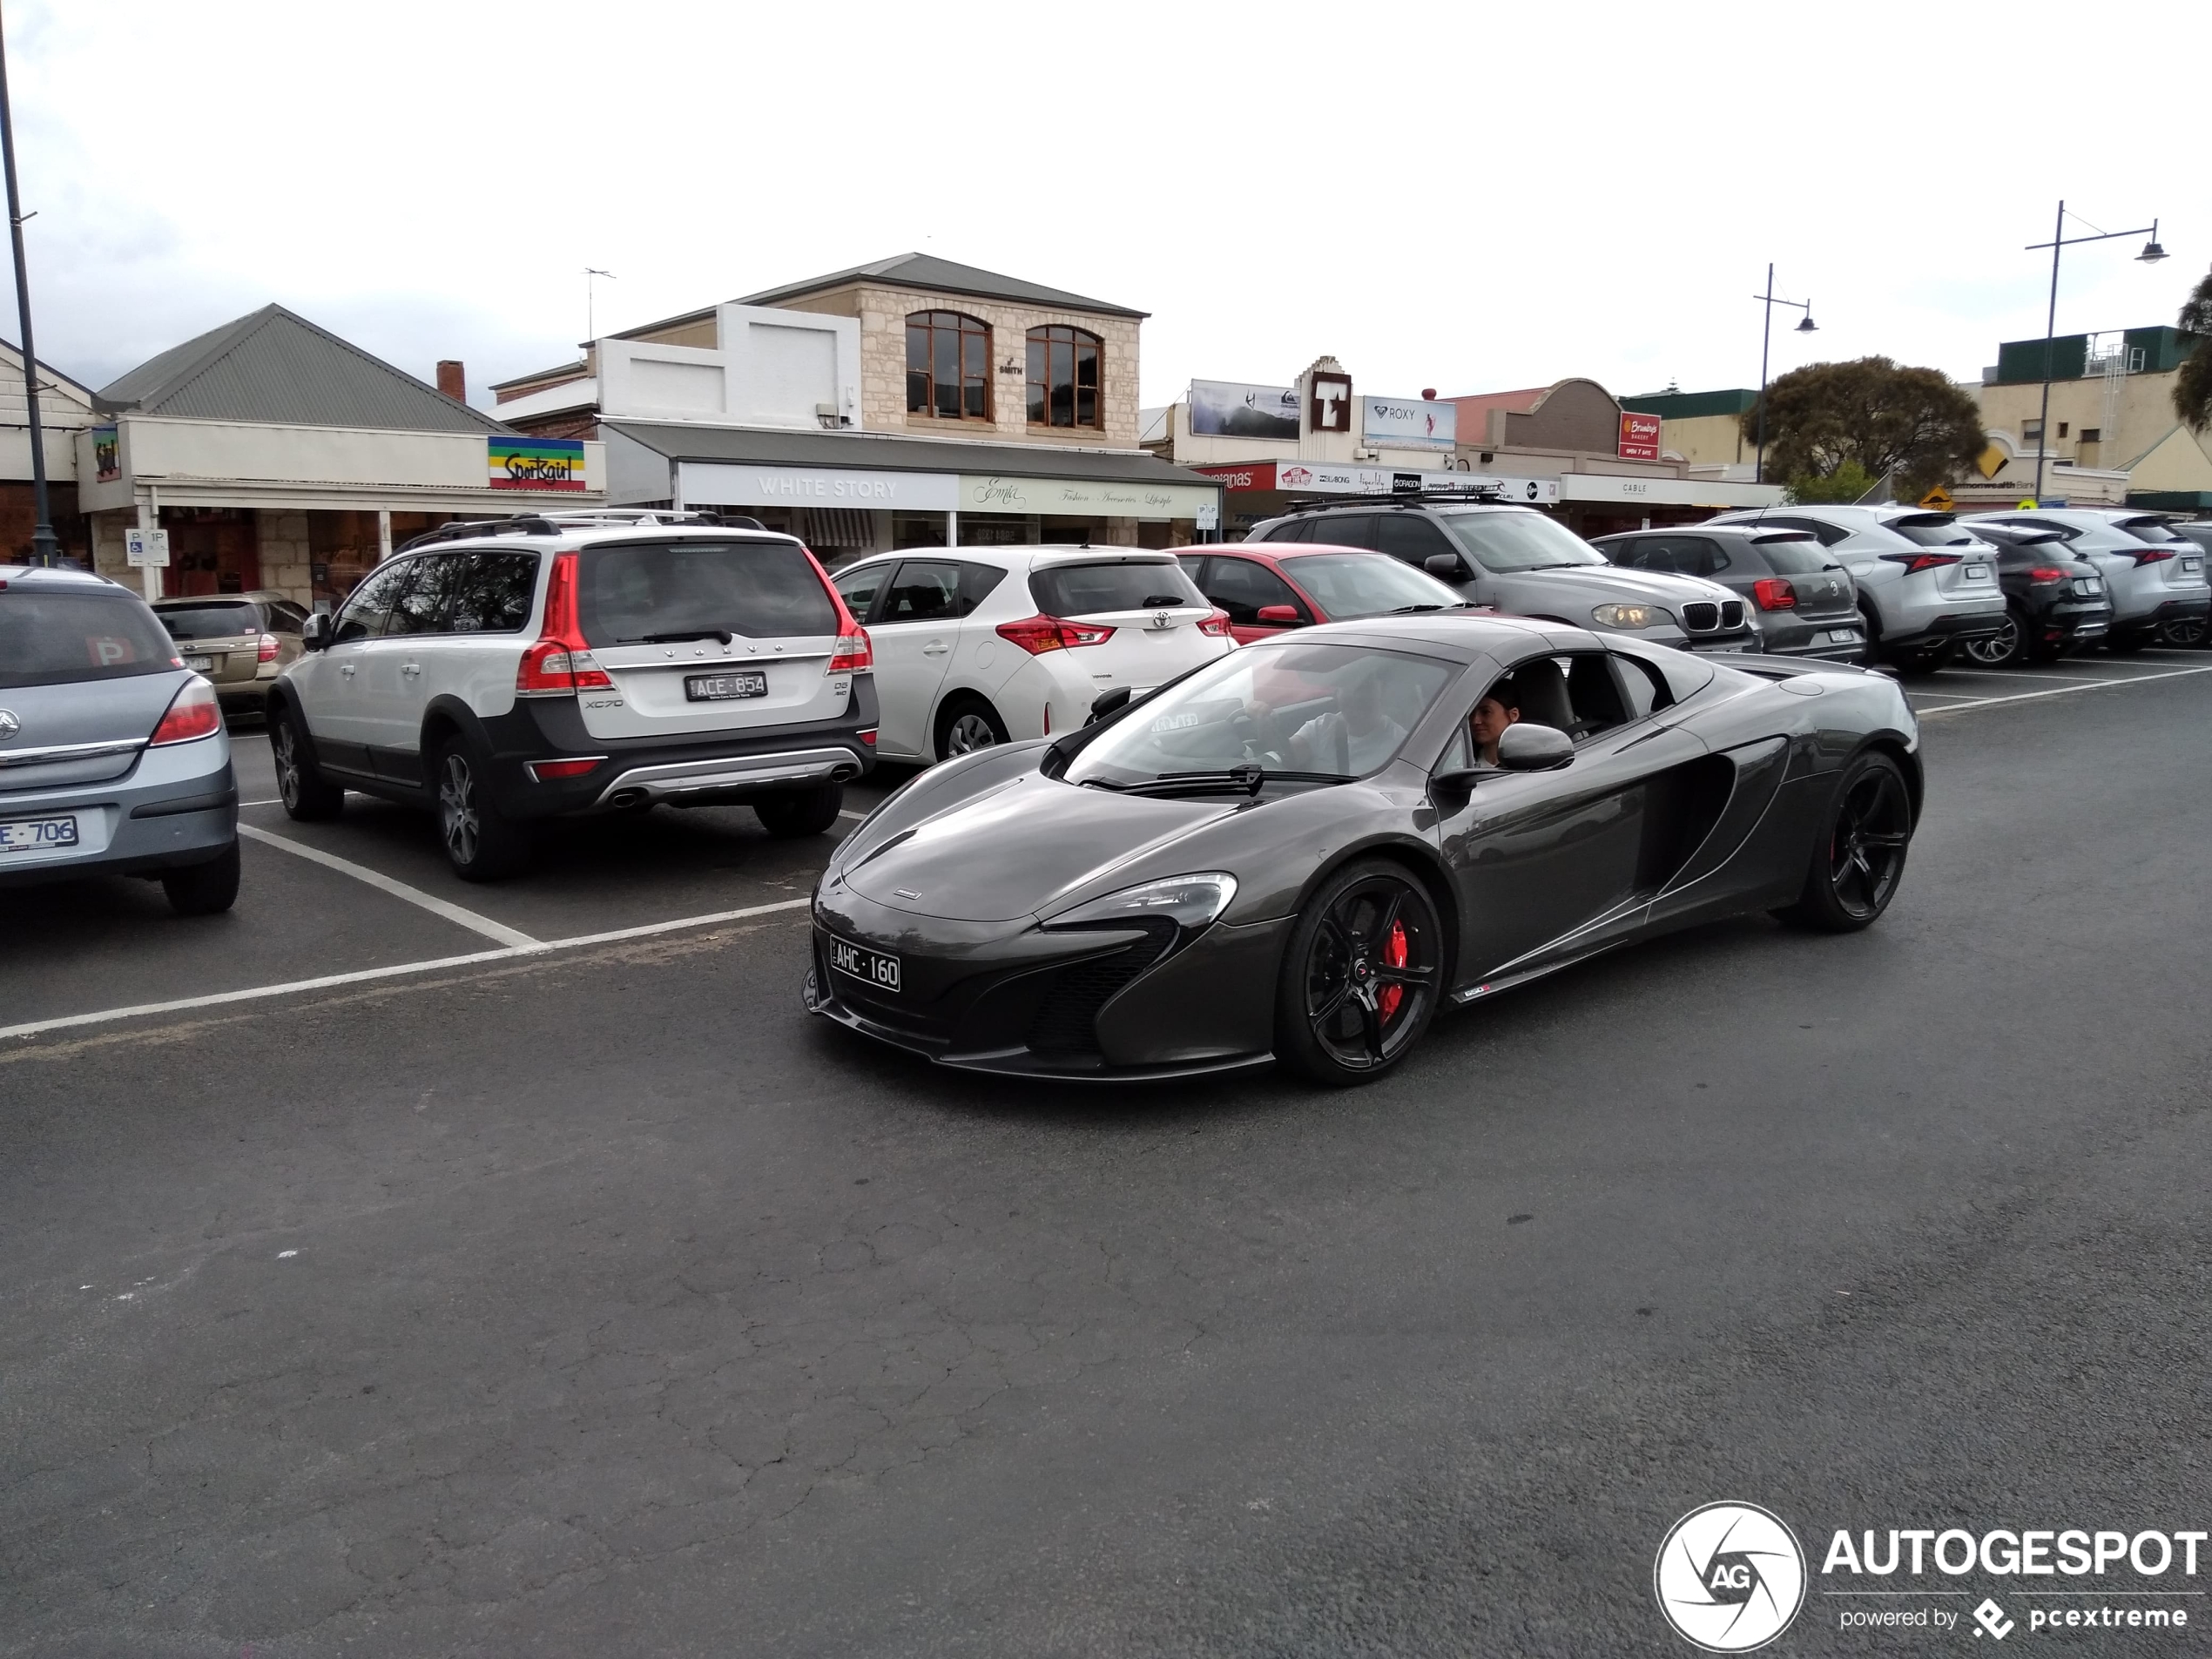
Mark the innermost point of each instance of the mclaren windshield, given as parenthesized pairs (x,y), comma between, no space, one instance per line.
(1312,714)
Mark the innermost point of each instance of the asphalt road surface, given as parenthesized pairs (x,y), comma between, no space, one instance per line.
(594,1300)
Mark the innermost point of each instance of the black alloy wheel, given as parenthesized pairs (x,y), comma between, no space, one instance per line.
(2007,646)
(307,795)
(481,843)
(1361,975)
(802,812)
(1860,856)
(203,889)
(2188,632)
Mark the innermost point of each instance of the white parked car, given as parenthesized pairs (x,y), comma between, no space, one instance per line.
(978,645)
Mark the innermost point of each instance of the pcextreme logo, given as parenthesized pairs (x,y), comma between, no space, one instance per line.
(1729,1577)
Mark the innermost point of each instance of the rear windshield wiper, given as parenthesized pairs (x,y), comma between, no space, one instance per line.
(722,635)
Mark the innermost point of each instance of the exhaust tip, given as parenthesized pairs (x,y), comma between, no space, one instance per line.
(844,774)
(625,797)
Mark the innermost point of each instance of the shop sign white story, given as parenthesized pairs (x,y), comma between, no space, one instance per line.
(726,484)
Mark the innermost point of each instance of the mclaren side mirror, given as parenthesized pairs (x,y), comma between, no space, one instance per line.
(315,633)
(1107,703)
(1525,746)
(1446,567)
(1277,616)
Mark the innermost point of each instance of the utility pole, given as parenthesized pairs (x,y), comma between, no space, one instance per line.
(44,549)
(1766,337)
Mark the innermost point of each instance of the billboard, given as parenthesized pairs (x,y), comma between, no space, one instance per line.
(1233,409)
(1410,421)
(1639,436)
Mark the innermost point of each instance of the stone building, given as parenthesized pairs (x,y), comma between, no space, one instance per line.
(909,402)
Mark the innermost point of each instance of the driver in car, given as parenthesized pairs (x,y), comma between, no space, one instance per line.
(1500,708)
(1354,738)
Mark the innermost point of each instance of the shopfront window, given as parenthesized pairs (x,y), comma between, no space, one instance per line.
(1064,380)
(948,366)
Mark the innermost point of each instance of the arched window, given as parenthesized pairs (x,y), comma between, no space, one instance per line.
(1064,378)
(948,366)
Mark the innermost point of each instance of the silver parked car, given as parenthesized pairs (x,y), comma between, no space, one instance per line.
(1525,563)
(113,757)
(2155,574)
(1925,583)
(1802,599)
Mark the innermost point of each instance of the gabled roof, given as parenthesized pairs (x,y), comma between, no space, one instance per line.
(926,271)
(66,383)
(274,366)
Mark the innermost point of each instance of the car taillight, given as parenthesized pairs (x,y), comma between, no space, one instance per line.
(1038,635)
(191,716)
(268,651)
(1916,563)
(560,663)
(1775,593)
(545,771)
(854,649)
(2049,573)
(2149,556)
(1216,625)
(868,737)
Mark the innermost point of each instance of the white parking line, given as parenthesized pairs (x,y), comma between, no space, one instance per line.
(2040,674)
(847,812)
(278,801)
(378,879)
(2068,690)
(295,987)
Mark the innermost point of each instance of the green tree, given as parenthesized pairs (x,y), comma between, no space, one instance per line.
(2193,386)
(1912,424)
(1844,486)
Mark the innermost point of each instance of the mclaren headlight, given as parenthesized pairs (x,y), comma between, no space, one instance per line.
(1631,616)
(1190,901)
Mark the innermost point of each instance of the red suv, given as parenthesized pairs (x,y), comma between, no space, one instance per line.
(1265,590)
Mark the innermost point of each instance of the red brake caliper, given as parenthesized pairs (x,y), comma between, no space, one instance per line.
(1394,956)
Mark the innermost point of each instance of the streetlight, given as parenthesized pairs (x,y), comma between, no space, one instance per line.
(1805,325)
(44,549)
(2152,254)
(590,328)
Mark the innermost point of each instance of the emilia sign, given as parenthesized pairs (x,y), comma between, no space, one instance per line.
(535,463)
(1731,1578)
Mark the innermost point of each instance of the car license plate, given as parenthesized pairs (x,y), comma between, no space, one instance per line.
(2190,567)
(28,834)
(874,967)
(1842,636)
(199,664)
(716,688)
(1976,573)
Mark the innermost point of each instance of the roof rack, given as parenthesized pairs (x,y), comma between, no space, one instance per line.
(554,522)
(1487,493)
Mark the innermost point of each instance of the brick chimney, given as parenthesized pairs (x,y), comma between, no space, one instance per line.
(452,380)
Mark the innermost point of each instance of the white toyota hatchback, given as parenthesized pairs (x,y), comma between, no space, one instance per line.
(978,645)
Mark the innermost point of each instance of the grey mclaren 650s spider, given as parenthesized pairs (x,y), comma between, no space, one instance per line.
(1299,852)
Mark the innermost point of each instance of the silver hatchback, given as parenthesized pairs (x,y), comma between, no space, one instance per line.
(113,757)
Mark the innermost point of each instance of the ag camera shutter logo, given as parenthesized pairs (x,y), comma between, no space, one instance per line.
(1729,1577)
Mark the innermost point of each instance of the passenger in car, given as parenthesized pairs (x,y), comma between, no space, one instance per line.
(1500,708)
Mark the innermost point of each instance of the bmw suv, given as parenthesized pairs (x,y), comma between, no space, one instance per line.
(1519,561)
(572,664)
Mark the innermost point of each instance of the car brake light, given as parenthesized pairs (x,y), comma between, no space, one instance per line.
(191,716)
(868,737)
(1775,593)
(545,771)
(2049,573)
(1038,635)
(1216,625)
(560,663)
(854,649)
(2150,555)
(268,651)
(1916,563)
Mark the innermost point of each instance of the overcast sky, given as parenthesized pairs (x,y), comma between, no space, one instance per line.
(1469,197)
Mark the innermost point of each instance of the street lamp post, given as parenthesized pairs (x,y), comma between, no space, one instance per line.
(1766,336)
(2152,254)
(44,549)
